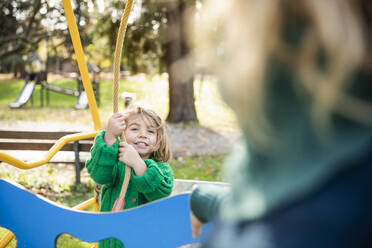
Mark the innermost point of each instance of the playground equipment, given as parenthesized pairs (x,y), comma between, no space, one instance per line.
(82,100)
(43,141)
(33,79)
(165,222)
(28,215)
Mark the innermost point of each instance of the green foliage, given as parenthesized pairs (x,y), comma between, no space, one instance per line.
(68,241)
(24,26)
(142,50)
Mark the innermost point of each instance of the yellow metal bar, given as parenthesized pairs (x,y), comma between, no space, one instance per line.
(86,204)
(74,33)
(96,206)
(5,240)
(52,151)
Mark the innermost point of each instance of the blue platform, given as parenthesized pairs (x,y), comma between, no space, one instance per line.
(37,222)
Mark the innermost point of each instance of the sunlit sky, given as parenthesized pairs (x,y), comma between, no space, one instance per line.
(135,13)
(101,6)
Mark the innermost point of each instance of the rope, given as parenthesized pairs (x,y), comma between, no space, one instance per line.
(115,95)
(117,54)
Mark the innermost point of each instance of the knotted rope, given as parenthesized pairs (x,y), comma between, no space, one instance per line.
(115,96)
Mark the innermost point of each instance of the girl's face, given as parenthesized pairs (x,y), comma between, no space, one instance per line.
(141,135)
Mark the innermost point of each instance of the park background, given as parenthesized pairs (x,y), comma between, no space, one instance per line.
(157,67)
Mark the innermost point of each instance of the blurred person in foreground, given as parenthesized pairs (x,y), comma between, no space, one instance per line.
(298,75)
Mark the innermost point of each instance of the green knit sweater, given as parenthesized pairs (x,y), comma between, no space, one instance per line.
(105,169)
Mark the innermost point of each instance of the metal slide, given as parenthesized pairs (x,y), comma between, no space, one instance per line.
(24,95)
(82,102)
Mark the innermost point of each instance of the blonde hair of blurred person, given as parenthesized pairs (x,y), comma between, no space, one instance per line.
(298,75)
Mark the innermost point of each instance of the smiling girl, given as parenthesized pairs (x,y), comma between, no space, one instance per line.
(145,150)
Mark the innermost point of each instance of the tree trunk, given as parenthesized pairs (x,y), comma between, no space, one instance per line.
(181,77)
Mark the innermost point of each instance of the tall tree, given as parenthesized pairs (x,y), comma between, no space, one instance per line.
(164,34)
(155,42)
(181,75)
(19,32)
(25,24)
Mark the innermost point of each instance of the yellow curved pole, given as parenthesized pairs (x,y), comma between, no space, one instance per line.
(86,204)
(52,151)
(74,33)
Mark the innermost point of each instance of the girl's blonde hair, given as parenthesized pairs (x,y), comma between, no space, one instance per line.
(237,38)
(162,151)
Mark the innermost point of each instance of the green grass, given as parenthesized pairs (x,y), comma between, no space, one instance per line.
(204,168)
(150,92)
